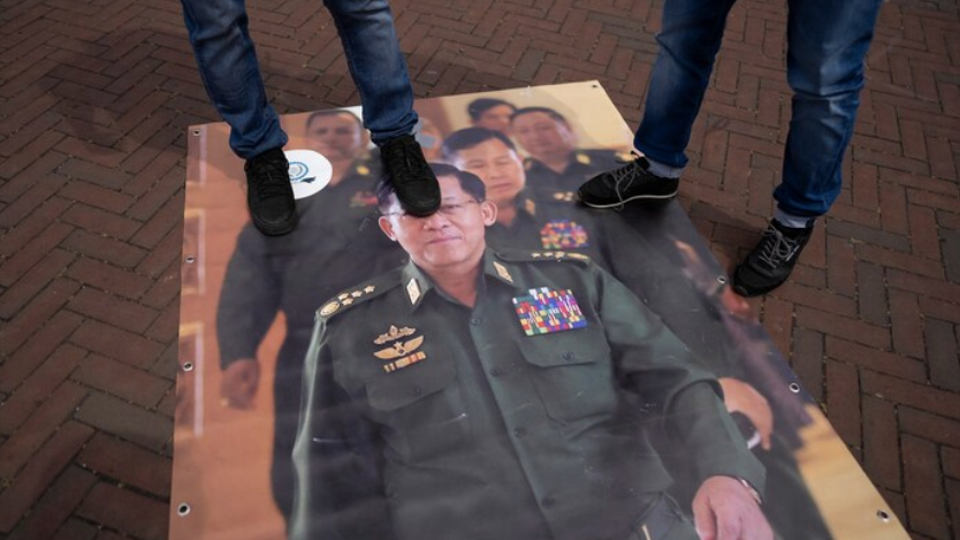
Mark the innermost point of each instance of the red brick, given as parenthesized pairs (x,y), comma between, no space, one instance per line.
(165,252)
(953,492)
(96,196)
(37,349)
(127,421)
(116,343)
(897,279)
(951,461)
(126,511)
(55,506)
(101,222)
(112,310)
(108,277)
(919,396)
(25,231)
(38,312)
(15,267)
(843,401)
(881,447)
(127,463)
(843,327)
(32,435)
(902,261)
(39,386)
(25,157)
(120,380)
(75,529)
(104,249)
(876,360)
(807,361)
(907,324)
(942,354)
(24,290)
(933,428)
(106,177)
(926,508)
(43,468)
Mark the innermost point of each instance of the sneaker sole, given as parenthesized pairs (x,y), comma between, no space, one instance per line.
(276,230)
(634,198)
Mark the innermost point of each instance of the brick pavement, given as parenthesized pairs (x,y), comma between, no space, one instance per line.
(95,97)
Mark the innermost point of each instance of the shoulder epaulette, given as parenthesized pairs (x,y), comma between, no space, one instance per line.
(359,294)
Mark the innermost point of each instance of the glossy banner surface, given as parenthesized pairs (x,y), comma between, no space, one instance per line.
(589,380)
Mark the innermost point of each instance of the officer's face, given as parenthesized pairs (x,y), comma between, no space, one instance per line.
(498,166)
(451,238)
(542,136)
(496,118)
(338,137)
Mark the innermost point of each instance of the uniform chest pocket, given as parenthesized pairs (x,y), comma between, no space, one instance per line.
(573,373)
(420,410)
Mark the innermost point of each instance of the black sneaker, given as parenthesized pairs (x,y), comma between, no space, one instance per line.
(417,187)
(770,263)
(630,182)
(269,193)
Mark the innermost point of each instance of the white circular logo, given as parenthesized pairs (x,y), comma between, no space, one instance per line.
(309,172)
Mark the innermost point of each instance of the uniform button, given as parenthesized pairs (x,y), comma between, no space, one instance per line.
(475,322)
(519,432)
(548,502)
(568,355)
(417,390)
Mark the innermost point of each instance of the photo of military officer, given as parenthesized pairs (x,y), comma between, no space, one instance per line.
(555,161)
(491,113)
(292,275)
(508,394)
(680,299)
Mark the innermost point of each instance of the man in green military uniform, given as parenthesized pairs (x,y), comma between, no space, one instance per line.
(652,271)
(555,160)
(473,394)
(293,274)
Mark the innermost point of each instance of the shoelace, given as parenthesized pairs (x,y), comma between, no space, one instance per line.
(268,181)
(776,248)
(626,175)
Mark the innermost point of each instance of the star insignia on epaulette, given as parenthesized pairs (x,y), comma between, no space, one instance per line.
(583,159)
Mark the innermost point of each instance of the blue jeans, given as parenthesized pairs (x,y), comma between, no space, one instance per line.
(228,66)
(827,41)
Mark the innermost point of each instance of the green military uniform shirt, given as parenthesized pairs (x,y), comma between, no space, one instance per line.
(423,418)
(583,165)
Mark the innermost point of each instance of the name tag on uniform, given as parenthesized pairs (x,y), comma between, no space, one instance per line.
(563,234)
(545,310)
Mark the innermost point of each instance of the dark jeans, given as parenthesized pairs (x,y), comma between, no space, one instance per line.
(827,41)
(228,66)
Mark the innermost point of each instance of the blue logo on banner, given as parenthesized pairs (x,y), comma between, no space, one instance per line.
(298,173)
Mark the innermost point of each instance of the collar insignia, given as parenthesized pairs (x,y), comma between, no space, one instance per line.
(413,291)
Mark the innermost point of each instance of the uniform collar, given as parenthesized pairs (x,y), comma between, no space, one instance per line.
(416,283)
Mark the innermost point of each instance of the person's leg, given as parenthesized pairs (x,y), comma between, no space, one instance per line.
(376,65)
(228,67)
(826,45)
(380,73)
(691,34)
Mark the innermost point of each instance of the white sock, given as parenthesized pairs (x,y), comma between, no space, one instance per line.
(664,171)
(793,221)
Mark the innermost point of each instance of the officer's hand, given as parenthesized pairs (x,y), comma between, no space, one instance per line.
(240,382)
(724,509)
(740,397)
